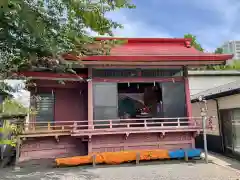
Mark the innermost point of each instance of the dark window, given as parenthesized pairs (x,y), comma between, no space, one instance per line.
(174,99)
(45,107)
(105,101)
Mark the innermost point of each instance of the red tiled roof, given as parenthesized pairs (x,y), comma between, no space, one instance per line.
(154,49)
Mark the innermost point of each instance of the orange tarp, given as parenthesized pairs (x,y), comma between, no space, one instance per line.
(113,157)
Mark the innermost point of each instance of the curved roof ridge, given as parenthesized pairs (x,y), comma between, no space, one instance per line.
(146,39)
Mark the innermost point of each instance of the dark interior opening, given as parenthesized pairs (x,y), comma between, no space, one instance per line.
(139,100)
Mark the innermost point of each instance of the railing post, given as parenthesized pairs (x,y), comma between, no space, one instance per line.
(94,160)
(33,126)
(26,127)
(145,123)
(110,121)
(74,126)
(194,122)
(178,121)
(49,126)
(137,158)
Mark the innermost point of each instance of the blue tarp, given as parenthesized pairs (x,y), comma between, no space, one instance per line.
(180,153)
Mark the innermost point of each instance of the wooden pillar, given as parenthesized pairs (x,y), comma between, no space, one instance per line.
(90,107)
(137,158)
(187,93)
(193,141)
(188,102)
(90,100)
(17,150)
(185,155)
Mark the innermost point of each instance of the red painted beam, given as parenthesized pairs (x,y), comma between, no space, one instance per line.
(145,40)
(156,58)
(51,75)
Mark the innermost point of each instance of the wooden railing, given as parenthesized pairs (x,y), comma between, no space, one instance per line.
(114,125)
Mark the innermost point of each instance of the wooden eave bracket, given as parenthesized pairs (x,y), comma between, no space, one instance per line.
(57,138)
(126,135)
(197,133)
(162,135)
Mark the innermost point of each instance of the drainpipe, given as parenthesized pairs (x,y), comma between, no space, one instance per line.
(219,124)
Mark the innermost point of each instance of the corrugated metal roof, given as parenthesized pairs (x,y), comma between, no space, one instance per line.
(218,90)
(214,72)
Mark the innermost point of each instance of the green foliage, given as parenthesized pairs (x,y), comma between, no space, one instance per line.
(218,51)
(34,33)
(194,42)
(8,108)
(12,107)
(9,129)
(235,65)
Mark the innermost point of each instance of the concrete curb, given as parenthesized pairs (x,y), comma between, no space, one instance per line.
(222,163)
(229,168)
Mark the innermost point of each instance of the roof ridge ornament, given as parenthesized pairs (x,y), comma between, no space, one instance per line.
(188,43)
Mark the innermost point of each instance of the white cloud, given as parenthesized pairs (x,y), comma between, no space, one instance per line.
(228,12)
(135,28)
(210,36)
(22,96)
(132,28)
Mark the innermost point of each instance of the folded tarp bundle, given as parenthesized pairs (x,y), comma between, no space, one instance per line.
(127,156)
(181,153)
(113,157)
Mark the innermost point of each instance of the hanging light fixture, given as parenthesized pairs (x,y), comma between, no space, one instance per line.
(128,84)
(154,83)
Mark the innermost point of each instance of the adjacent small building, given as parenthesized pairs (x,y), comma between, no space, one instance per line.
(223,104)
(207,79)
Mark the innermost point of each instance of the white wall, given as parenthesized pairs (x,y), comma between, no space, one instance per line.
(212,111)
(201,83)
(229,102)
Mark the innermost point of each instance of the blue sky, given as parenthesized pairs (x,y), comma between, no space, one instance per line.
(212,21)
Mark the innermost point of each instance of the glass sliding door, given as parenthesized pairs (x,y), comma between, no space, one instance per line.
(174,99)
(227,129)
(236,129)
(231,129)
(105,102)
